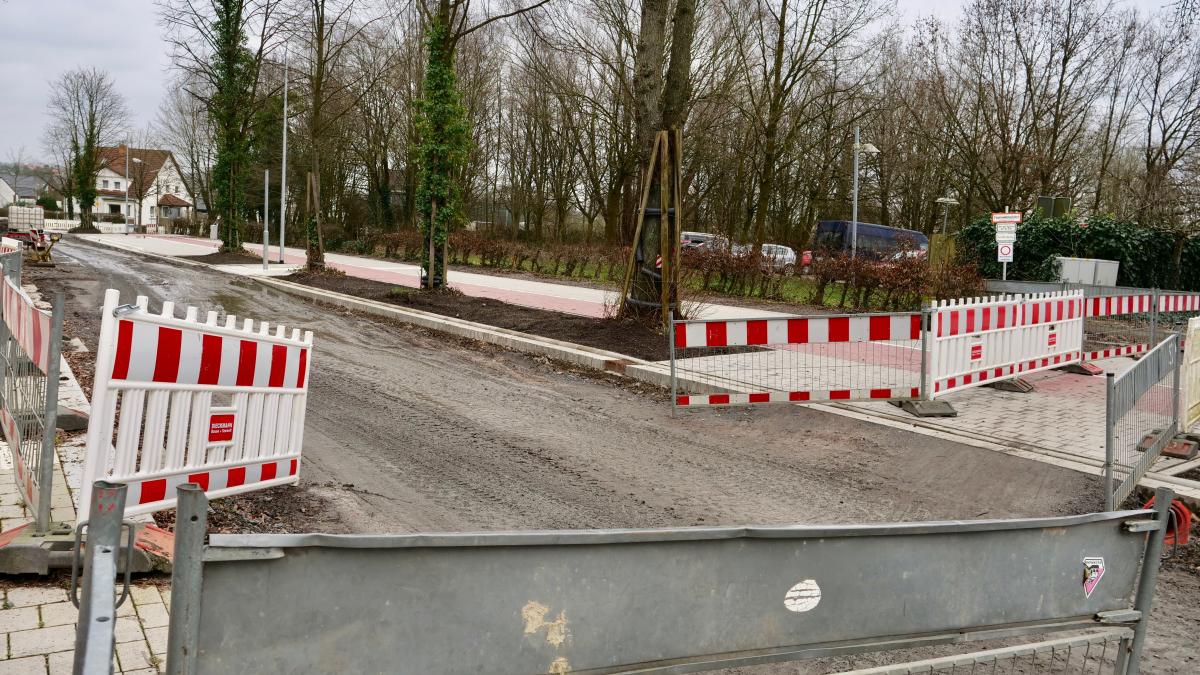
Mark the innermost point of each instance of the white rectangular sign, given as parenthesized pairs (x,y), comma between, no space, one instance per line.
(1006,233)
(1004,252)
(1010,217)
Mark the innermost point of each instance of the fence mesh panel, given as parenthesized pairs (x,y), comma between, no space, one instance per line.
(808,368)
(1093,654)
(1142,417)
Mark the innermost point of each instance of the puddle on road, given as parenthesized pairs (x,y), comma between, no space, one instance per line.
(230,304)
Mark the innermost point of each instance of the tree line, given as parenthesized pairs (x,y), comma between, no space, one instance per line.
(532,121)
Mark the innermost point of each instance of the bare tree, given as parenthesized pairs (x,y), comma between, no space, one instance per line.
(87,113)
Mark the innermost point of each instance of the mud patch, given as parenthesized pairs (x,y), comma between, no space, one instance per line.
(278,510)
(219,258)
(641,340)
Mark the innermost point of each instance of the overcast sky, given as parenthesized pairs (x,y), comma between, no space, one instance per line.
(41,39)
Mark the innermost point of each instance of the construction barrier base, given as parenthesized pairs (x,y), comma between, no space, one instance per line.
(933,408)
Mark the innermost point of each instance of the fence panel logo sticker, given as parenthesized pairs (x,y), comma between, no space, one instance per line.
(220,426)
(976,352)
(1093,571)
(803,597)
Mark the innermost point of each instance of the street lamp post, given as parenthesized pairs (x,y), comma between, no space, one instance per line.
(946,203)
(128,180)
(870,150)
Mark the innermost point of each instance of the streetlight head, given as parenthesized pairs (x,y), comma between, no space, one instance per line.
(867,148)
(135,160)
(948,201)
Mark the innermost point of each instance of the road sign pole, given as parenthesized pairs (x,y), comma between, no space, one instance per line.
(1004,272)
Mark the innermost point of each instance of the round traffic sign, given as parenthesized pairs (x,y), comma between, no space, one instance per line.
(1005,249)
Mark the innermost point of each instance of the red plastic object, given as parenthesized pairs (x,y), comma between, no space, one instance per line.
(1177,535)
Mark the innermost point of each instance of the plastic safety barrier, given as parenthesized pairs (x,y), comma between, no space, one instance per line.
(983,340)
(797,359)
(199,402)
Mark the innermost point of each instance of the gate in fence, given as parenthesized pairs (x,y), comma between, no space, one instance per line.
(803,358)
(30,340)
(1141,417)
(672,600)
(216,405)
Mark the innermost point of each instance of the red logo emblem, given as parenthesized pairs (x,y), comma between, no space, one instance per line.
(220,428)
(976,352)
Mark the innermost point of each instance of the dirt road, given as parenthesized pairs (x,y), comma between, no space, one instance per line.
(411,430)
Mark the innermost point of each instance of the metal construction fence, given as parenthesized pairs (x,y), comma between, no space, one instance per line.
(1119,320)
(1141,417)
(651,601)
(215,405)
(981,340)
(803,358)
(1092,654)
(30,341)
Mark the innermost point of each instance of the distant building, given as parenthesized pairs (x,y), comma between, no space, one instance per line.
(26,187)
(154,186)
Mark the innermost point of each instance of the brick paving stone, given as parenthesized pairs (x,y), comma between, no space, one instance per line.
(157,639)
(147,594)
(59,614)
(35,595)
(128,630)
(24,666)
(41,640)
(21,618)
(134,656)
(153,615)
(61,663)
(12,511)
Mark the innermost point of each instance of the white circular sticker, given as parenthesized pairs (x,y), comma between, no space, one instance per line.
(803,597)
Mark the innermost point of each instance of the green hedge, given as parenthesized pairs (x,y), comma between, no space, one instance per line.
(1144,253)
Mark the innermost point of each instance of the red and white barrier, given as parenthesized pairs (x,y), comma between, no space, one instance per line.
(798,331)
(9,245)
(1179,302)
(983,340)
(804,359)
(1117,305)
(204,403)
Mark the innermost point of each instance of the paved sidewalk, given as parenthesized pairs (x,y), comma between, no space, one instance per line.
(37,619)
(567,298)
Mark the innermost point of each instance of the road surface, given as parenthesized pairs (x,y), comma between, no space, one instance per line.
(410,430)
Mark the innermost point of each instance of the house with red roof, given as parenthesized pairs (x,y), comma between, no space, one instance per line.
(145,185)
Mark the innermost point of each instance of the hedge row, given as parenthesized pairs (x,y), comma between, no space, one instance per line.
(1146,255)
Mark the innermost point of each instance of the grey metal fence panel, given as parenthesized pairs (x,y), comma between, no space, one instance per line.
(651,600)
(1142,416)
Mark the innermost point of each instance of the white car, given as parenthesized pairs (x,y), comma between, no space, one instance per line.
(775,257)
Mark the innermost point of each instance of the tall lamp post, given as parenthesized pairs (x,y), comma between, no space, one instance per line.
(870,150)
(946,203)
(128,180)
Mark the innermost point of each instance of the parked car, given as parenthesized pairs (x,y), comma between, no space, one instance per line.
(696,239)
(875,241)
(775,257)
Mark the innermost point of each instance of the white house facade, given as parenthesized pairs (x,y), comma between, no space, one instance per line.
(147,193)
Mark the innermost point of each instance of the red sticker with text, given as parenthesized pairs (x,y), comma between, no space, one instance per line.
(220,428)
(976,352)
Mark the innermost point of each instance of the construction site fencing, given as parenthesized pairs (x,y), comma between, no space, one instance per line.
(30,341)
(9,245)
(798,358)
(658,601)
(1191,377)
(981,340)
(1091,654)
(1141,417)
(215,405)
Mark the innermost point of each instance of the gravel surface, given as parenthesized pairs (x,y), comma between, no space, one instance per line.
(411,430)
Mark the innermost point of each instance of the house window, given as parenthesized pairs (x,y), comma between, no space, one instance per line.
(152,210)
(116,184)
(115,209)
(104,183)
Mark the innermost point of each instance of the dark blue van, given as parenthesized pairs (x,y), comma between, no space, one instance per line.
(876,241)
